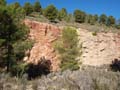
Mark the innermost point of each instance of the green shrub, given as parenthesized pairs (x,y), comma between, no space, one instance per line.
(94,33)
(68,49)
(20,48)
(117,26)
(19,69)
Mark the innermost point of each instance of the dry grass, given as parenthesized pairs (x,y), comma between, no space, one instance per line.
(88,78)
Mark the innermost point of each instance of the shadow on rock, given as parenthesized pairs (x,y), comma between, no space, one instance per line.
(42,68)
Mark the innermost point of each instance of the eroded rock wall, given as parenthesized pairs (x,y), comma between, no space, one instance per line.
(99,49)
(44,35)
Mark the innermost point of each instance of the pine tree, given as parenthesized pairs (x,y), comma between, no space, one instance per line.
(17,5)
(79,16)
(62,14)
(103,19)
(50,12)
(37,7)
(2,2)
(111,21)
(16,10)
(96,17)
(28,8)
(11,32)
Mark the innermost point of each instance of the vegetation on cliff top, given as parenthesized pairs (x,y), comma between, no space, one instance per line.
(78,16)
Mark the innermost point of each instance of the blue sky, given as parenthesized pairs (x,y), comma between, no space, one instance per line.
(109,7)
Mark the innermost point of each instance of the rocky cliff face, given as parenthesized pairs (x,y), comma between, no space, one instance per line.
(99,49)
(44,35)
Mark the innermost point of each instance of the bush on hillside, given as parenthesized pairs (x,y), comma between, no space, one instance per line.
(68,49)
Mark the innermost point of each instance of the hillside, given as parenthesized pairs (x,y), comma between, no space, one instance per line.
(45,46)
(99,49)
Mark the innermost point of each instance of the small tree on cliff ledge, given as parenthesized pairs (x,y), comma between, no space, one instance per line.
(68,49)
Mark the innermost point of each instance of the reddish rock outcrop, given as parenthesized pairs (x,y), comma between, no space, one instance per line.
(44,35)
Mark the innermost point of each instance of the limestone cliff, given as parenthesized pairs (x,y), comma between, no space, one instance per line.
(99,49)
